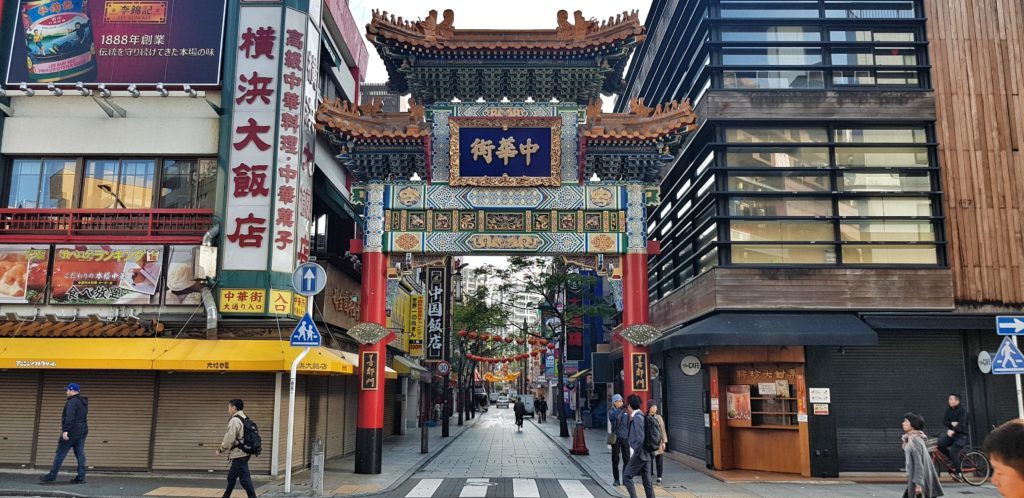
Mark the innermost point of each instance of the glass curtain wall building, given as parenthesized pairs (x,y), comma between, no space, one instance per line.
(778,178)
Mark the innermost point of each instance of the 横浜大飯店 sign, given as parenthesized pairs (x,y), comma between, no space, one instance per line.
(505,151)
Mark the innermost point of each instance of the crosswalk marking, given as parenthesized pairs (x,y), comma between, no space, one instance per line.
(574,489)
(525,488)
(425,488)
(475,488)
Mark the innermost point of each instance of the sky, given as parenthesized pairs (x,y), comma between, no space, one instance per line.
(519,14)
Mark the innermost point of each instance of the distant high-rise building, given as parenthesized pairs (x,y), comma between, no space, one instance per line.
(370,91)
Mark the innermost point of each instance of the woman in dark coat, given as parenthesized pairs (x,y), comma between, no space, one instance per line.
(922,479)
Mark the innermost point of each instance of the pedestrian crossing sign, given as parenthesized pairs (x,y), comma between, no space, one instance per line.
(305,334)
(1009,359)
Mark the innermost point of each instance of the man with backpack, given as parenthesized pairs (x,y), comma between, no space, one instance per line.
(644,438)
(241,441)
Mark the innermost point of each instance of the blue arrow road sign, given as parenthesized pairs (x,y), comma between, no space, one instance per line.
(305,333)
(1010,325)
(309,279)
(1008,359)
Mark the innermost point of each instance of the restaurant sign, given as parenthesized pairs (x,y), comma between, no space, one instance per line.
(101,274)
(436,334)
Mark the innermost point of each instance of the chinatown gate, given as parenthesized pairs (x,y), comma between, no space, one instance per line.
(509,153)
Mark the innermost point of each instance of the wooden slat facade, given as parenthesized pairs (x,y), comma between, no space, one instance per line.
(802,289)
(977,53)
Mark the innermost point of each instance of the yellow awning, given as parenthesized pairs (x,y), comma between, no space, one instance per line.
(405,366)
(199,355)
(574,377)
(353,358)
(72,353)
(182,355)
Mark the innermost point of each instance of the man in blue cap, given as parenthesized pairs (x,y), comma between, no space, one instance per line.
(74,426)
(619,437)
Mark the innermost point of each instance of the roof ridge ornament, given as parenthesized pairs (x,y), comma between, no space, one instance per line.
(640,122)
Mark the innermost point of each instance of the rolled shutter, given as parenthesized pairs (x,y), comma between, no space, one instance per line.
(351,412)
(301,422)
(317,422)
(875,385)
(18,411)
(684,407)
(390,394)
(335,417)
(120,417)
(192,419)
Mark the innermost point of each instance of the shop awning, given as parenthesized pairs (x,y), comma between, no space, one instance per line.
(83,354)
(198,355)
(182,355)
(353,358)
(409,368)
(770,329)
(578,375)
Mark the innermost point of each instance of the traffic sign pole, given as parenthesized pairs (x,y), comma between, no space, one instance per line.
(291,421)
(309,279)
(1020,397)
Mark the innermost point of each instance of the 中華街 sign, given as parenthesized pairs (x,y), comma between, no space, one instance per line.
(505,151)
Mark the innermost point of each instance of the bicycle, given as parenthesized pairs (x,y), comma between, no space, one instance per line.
(974,465)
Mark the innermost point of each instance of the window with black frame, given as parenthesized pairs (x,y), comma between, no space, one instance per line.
(831,195)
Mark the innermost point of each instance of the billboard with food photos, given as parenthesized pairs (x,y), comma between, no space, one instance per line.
(118,42)
(105,274)
(23,270)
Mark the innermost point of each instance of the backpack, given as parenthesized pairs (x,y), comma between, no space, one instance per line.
(251,444)
(652,434)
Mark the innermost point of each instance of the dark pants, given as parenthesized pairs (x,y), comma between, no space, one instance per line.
(638,467)
(240,472)
(951,447)
(76,443)
(657,463)
(621,447)
(542,415)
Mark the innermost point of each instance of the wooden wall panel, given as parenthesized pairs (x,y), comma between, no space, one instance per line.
(977,56)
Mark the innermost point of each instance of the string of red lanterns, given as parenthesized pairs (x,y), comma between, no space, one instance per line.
(533,341)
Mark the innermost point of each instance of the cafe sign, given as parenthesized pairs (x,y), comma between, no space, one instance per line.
(505,151)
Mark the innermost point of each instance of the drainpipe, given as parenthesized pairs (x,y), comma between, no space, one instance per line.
(211,306)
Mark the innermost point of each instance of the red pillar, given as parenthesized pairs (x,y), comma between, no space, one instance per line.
(370,422)
(634,312)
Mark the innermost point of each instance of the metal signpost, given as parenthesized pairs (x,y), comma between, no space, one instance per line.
(1009,360)
(309,279)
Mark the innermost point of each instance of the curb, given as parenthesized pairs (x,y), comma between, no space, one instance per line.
(608,488)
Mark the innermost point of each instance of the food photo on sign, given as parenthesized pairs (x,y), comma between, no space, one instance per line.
(101,274)
(117,42)
(23,271)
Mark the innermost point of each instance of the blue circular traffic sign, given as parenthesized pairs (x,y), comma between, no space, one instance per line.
(309,279)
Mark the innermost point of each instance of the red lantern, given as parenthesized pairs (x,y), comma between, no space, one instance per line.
(496,339)
(485,337)
(472,335)
(520,341)
(551,347)
(536,352)
(509,340)
(462,333)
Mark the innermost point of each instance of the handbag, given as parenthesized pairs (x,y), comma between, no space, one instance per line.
(612,439)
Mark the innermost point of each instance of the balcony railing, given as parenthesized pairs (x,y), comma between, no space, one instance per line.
(169,226)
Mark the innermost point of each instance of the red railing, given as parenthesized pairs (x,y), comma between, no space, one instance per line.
(184,226)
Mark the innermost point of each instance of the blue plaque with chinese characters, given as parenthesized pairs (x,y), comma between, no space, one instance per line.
(505,151)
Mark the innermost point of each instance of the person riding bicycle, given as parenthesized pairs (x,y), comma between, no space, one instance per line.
(954,439)
(520,410)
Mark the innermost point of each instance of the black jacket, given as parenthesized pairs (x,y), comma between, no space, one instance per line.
(959,415)
(75,419)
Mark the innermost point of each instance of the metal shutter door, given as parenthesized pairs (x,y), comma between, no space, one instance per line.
(684,408)
(390,390)
(873,386)
(18,411)
(317,423)
(335,418)
(192,418)
(301,416)
(351,412)
(120,418)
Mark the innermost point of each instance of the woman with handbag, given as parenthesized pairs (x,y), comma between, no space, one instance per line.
(922,479)
(658,462)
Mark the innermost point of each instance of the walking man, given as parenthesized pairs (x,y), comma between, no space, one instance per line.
(239,459)
(542,410)
(619,437)
(74,426)
(639,459)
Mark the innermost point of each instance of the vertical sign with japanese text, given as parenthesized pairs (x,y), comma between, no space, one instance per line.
(310,103)
(247,215)
(369,363)
(640,369)
(416,326)
(436,334)
(574,350)
(287,177)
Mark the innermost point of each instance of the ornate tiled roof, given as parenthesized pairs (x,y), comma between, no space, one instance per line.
(369,122)
(77,328)
(641,122)
(581,34)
